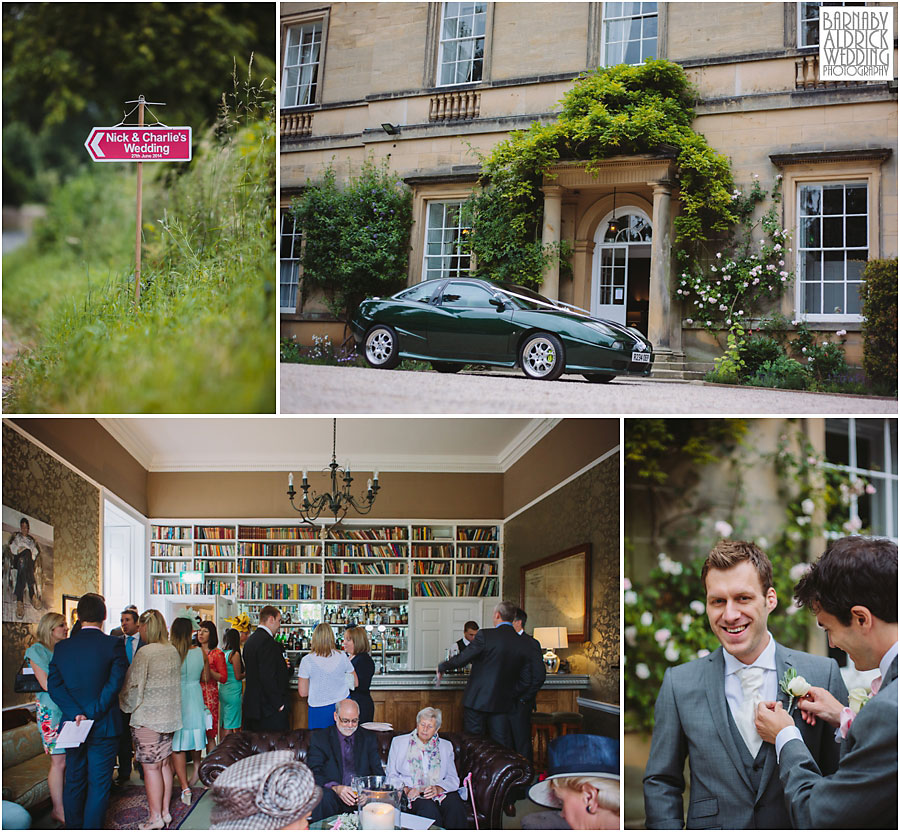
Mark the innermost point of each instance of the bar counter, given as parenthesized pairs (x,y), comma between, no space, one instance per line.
(399,696)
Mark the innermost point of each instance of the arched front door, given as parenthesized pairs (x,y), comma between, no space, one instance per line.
(620,284)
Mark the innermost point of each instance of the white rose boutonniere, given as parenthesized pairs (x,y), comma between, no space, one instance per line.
(794,686)
(858,697)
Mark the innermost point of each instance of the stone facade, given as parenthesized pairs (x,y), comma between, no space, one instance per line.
(760,104)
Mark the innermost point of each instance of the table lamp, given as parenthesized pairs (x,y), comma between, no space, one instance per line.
(551,638)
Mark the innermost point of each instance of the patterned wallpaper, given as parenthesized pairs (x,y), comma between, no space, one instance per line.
(585,510)
(36,484)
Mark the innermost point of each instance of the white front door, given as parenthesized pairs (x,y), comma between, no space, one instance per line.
(609,297)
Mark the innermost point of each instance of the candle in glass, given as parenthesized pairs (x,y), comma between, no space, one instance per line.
(377,816)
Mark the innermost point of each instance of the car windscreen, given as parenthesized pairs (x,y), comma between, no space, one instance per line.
(525,298)
(421,292)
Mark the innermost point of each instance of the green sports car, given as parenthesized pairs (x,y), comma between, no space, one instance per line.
(459,321)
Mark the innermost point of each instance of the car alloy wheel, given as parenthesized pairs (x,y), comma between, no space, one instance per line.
(381,348)
(542,357)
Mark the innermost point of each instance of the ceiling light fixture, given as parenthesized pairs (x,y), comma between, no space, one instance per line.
(339,501)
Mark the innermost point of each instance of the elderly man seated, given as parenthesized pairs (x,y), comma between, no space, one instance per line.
(339,753)
(424,766)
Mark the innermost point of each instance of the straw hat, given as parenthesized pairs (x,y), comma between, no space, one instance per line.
(578,755)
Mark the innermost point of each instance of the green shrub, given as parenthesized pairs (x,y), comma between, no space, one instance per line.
(754,352)
(357,237)
(878,293)
(784,373)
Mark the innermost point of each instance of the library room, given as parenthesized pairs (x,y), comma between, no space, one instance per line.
(361,559)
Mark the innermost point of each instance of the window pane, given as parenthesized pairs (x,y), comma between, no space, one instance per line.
(857,200)
(812,302)
(812,265)
(810,232)
(857,231)
(833,232)
(837,444)
(856,262)
(853,303)
(810,33)
(633,52)
(612,10)
(810,201)
(833,265)
(833,200)
(650,27)
(833,298)
(449,29)
(615,31)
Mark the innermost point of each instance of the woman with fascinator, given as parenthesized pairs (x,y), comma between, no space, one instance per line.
(424,766)
(192,736)
(272,790)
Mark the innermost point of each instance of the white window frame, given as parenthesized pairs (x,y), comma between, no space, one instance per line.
(801,18)
(294,261)
(441,273)
(799,299)
(884,480)
(604,47)
(312,88)
(442,42)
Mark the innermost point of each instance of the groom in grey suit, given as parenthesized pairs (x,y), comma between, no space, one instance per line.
(706,708)
(852,590)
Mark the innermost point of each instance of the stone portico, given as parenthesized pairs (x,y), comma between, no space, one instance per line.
(578,196)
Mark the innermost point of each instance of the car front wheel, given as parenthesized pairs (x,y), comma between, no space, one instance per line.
(542,357)
(382,350)
(599,378)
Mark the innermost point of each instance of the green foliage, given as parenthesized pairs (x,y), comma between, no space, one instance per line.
(615,110)
(201,340)
(323,351)
(664,612)
(878,293)
(784,373)
(825,361)
(357,238)
(653,446)
(754,352)
(84,61)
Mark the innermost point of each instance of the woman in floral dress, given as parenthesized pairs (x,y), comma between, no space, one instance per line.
(208,639)
(51,629)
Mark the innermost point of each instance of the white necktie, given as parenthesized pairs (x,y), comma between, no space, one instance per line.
(751,686)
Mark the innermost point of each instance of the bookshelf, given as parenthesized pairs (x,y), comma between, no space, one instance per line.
(355,574)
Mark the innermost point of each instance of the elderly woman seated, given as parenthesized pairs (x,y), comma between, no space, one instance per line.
(423,764)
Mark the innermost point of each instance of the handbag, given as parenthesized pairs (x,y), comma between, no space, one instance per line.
(26,681)
(208,719)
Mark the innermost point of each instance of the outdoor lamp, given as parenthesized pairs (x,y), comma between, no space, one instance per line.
(613,227)
(390,129)
(551,638)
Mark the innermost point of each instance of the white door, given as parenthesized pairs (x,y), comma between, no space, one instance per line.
(438,624)
(124,561)
(609,297)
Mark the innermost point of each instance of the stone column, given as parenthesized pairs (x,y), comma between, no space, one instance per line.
(581,269)
(552,234)
(660,323)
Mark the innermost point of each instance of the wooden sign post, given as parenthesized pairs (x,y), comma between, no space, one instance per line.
(140,144)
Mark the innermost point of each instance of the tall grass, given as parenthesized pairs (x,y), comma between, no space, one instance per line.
(203,338)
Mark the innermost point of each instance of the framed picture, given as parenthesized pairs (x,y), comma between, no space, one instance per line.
(70,607)
(555,591)
(27,567)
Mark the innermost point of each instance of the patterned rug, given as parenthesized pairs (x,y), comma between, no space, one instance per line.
(128,809)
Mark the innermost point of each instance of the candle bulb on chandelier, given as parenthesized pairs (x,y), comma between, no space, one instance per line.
(291,480)
(304,477)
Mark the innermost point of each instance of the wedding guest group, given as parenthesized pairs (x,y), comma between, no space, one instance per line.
(129,633)
(705,709)
(852,592)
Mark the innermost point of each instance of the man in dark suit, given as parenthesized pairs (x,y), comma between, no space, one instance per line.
(500,675)
(86,674)
(339,753)
(852,591)
(520,716)
(132,640)
(266,691)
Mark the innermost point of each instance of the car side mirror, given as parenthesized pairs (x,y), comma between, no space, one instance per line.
(498,303)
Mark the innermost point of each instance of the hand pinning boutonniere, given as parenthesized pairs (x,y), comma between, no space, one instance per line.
(794,686)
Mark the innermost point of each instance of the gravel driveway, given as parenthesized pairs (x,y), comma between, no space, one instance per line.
(314,389)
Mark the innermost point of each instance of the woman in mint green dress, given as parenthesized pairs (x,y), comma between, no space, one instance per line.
(230,690)
(50,630)
(192,736)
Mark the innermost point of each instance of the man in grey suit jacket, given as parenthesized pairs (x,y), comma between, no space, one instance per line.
(705,708)
(852,590)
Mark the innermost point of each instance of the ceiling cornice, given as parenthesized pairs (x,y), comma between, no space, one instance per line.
(129,439)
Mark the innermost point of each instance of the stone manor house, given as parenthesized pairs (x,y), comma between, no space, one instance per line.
(422,82)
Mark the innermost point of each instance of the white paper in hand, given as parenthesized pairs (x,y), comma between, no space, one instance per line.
(72,735)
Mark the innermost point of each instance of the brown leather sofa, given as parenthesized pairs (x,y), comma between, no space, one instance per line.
(496,771)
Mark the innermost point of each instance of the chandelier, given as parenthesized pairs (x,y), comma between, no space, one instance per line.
(340,500)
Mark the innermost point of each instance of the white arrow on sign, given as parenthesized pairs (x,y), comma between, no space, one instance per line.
(95,145)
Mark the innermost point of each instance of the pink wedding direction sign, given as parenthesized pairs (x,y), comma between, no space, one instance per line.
(139,144)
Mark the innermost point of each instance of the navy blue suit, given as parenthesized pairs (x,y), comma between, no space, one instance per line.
(86,674)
